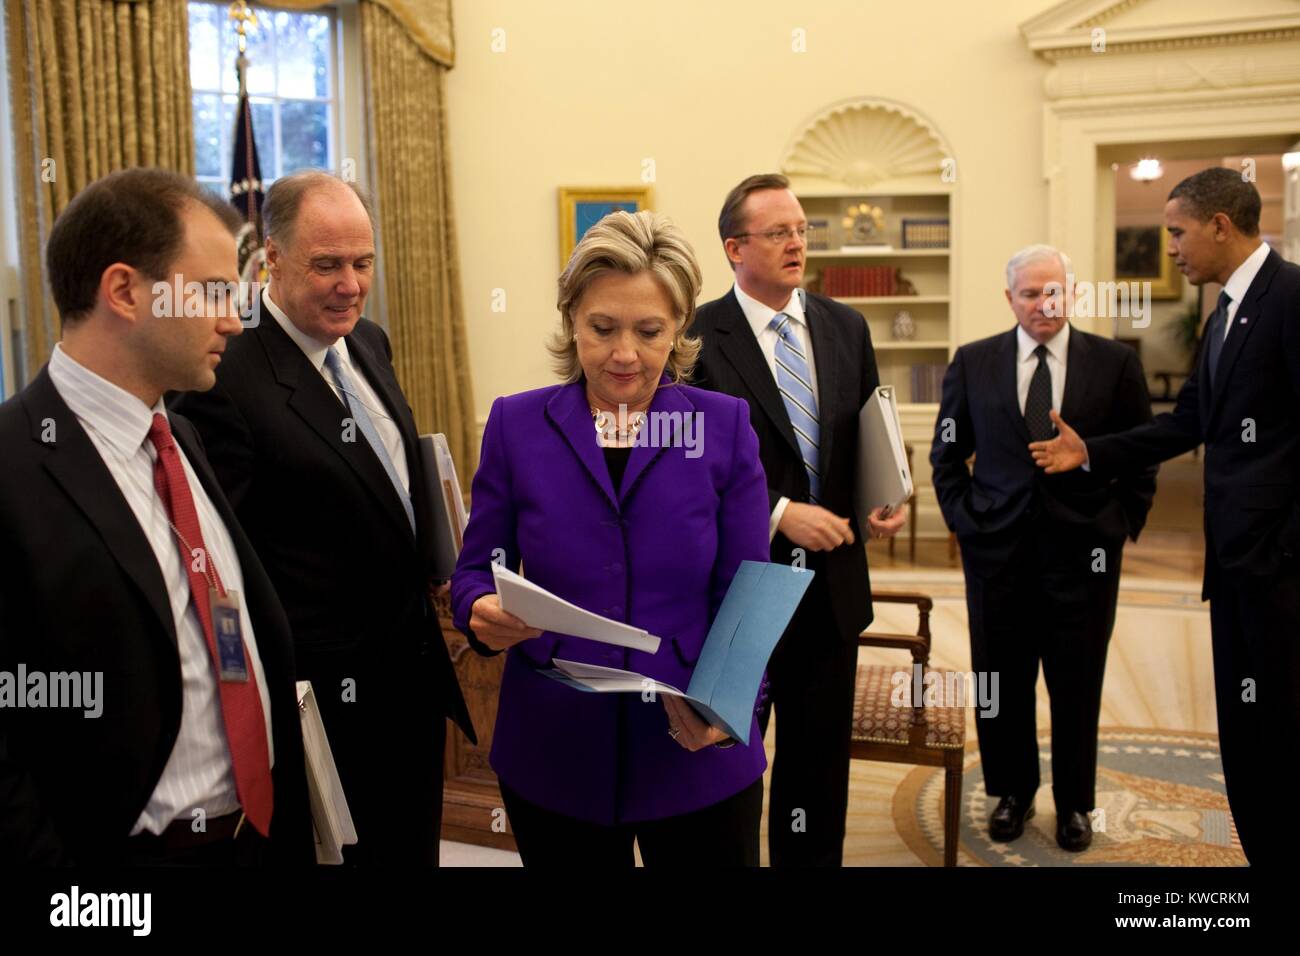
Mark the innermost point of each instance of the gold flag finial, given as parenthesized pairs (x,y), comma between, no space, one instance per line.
(244,17)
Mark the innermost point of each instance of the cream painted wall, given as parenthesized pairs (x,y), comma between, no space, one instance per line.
(711,91)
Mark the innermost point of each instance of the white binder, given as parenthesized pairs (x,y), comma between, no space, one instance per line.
(883,477)
(330,816)
(449,518)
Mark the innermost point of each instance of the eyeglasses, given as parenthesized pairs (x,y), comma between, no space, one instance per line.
(778,236)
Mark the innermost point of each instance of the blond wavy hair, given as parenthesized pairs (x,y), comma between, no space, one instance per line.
(631,243)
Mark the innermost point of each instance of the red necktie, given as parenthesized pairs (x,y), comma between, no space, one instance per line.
(241,707)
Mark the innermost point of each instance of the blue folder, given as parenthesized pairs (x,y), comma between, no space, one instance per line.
(724,686)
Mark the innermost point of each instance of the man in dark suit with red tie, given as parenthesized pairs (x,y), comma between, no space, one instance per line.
(125,570)
(1041,554)
(805,365)
(313,441)
(1242,402)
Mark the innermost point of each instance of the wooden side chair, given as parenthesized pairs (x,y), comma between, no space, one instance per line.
(921,735)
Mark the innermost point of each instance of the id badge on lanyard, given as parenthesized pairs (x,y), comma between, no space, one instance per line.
(228,629)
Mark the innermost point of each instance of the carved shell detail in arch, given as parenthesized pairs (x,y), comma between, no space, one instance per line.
(863,145)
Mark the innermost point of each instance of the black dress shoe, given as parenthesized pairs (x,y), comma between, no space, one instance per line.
(1073,831)
(1008,820)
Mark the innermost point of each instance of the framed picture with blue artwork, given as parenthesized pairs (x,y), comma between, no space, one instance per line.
(582,207)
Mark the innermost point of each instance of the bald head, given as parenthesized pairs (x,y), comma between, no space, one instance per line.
(284,200)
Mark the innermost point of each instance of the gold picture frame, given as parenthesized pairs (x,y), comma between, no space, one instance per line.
(581,207)
(1142,255)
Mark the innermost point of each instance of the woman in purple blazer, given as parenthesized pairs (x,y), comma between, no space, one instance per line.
(643,517)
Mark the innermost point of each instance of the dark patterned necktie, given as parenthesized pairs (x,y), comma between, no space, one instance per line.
(1039,403)
(1215,331)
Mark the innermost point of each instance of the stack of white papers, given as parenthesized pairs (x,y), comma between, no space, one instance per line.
(330,815)
(724,684)
(539,608)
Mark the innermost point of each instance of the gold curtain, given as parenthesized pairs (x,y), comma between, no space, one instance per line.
(426,22)
(96,86)
(411,175)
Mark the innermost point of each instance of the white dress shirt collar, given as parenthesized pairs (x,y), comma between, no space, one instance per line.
(1238,283)
(1057,345)
(121,418)
(311,347)
(760,315)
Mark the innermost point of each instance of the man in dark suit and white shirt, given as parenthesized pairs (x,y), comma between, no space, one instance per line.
(124,563)
(1041,554)
(315,444)
(1242,401)
(805,365)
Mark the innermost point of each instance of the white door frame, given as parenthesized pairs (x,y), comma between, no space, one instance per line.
(1237,82)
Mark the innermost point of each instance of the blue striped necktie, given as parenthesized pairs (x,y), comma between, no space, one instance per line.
(794,381)
(367,426)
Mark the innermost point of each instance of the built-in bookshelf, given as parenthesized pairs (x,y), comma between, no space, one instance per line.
(897,245)
(891,159)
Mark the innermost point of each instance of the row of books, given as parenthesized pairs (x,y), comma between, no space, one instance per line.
(927,382)
(915,234)
(860,280)
(925,233)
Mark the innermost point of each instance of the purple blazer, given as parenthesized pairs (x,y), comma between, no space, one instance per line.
(659,556)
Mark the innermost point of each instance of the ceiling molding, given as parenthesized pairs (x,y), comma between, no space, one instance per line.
(1066,30)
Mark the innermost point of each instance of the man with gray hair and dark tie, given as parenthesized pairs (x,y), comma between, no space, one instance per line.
(316,446)
(1041,554)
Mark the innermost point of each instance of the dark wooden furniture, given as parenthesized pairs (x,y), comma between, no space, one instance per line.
(472,809)
(932,736)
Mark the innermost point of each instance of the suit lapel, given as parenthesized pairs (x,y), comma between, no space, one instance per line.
(739,346)
(569,412)
(382,380)
(74,463)
(1245,321)
(317,405)
(1076,377)
(1008,367)
(390,393)
(826,350)
(182,433)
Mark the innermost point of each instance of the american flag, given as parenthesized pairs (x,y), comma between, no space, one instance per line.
(246,194)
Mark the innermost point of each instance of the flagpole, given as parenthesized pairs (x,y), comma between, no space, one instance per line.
(246,184)
(244,17)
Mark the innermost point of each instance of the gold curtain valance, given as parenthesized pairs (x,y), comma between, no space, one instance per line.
(427,22)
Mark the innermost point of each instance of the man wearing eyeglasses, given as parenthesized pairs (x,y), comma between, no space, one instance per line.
(806,366)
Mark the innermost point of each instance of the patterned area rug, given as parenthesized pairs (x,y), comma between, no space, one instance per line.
(1160,802)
